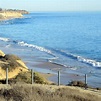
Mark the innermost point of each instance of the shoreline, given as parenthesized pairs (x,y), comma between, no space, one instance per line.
(66,74)
(42,66)
(53,69)
(33,61)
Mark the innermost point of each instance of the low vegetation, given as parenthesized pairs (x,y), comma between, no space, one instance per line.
(21,89)
(77,83)
(10,62)
(14,64)
(14,10)
(1,17)
(38,93)
(25,78)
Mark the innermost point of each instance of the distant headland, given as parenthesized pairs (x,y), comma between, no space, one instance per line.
(11,13)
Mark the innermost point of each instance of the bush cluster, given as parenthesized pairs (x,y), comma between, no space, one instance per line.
(10,62)
(77,83)
(25,77)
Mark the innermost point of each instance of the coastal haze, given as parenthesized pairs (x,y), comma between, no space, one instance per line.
(49,5)
(68,39)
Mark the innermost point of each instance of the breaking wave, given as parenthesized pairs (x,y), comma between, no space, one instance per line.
(22,43)
(67,54)
(14,21)
(80,58)
(7,22)
(4,39)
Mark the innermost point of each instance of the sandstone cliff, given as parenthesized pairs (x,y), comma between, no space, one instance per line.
(10,14)
(14,64)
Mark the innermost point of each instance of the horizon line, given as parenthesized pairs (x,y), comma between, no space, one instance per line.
(63,11)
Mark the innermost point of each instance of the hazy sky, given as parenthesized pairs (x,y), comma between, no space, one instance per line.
(53,5)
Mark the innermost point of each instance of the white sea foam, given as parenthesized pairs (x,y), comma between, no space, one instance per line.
(74,68)
(79,58)
(54,58)
(82,59)
(4,39)
(89,61)
(8,46)
(6,22)
(22,43)
(58,63)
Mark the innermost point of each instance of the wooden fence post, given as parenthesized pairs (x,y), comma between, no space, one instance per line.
(58,78)
(32,76)
(7,76)
(85,81)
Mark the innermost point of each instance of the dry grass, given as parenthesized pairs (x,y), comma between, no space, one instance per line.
(1,17)
(25,77)
(38,93)
(11,62)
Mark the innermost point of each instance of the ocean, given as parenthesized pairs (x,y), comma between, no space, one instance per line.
(70,39)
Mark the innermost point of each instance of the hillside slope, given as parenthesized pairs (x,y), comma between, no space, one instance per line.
(14,64)
(10,14)
(39,92)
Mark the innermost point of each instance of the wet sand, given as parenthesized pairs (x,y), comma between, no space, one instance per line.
(65,76)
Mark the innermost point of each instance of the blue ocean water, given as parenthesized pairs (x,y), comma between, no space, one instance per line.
(69,38)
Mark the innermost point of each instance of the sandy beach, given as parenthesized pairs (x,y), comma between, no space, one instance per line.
(52,68)
(42,66)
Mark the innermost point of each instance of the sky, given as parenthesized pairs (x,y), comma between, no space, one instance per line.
(52,5)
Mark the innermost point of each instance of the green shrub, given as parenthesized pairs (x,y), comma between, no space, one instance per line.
(11,57)
(11,62)
(25,77)
(39,79)
(77,83)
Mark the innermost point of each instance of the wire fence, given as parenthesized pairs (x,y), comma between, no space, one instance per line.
(84,82)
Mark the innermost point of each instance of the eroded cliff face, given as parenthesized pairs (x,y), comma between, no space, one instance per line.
(10,14)
(14,64)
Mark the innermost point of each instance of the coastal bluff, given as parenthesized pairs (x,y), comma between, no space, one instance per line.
(14,64)
(9,14)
